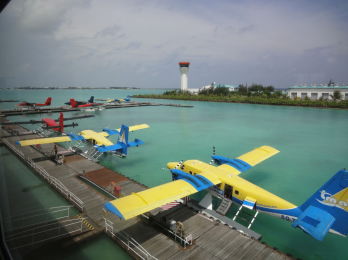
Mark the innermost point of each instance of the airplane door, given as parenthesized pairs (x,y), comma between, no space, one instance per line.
(228,191)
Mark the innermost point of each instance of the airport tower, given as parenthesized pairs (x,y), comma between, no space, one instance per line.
(184,67)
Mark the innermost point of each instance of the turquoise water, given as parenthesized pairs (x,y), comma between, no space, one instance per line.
(313,144)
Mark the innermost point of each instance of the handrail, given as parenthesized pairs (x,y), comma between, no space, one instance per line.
(48,226)
(52,180)
(128,241)
(45,215)
(60,232)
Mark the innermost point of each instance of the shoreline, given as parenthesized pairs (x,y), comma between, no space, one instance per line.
(292,103)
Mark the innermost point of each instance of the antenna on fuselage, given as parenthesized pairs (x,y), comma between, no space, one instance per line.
(214,150)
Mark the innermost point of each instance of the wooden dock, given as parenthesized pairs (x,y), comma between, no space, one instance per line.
(141,237)
(42,110)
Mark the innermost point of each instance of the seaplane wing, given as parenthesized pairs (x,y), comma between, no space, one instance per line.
(184,185)
(245,161)
(106,131)
(97,137)
(138,127)
(45,140)
(144,201)
(190,177)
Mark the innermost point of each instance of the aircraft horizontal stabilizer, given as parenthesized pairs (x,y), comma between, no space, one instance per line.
(315,221)
(136,142)
(327,209)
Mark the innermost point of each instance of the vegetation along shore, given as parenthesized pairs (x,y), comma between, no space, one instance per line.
(255,94)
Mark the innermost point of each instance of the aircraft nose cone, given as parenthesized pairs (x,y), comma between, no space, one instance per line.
(172,165)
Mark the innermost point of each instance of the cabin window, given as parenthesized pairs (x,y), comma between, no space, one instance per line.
(236,192)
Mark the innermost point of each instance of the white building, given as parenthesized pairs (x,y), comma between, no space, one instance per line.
(184,68)
(214,85)
(317,92)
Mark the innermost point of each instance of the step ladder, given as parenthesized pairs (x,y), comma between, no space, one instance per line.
(252,218)
(224,206)
(92,154)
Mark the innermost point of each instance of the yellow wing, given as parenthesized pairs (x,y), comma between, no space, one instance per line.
(252,158)
(258,155)
(45,140)
(99,138)
(131,129)
(144,201)
(136,127)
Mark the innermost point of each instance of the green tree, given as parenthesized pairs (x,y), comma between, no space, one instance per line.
(336,95)
(242,90)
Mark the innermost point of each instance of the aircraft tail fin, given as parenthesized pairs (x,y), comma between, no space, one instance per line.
(73,102)
(48,101)
(327,209)
(91,99)
(123,139)
(61,122)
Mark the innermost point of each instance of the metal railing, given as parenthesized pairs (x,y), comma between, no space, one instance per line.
(127,241)
(42,233)
(183,239)
(50,179)
(34,217)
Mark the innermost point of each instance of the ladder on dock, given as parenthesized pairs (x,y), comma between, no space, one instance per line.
(86,150)
(224,206)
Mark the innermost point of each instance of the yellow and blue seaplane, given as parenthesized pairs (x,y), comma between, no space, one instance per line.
(325,211)
(118,100)
(101,143)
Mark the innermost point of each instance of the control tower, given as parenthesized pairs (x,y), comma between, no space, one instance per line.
(184,67)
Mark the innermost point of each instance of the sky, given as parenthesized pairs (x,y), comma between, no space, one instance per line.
(138,43)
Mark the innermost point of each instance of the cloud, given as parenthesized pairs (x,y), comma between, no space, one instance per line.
(228,41)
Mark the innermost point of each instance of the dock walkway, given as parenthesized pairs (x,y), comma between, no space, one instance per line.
(43,110)
(211,239)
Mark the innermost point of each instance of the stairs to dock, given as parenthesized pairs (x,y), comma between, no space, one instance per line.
(224,206)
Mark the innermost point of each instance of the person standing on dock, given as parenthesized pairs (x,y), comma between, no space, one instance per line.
(55,151)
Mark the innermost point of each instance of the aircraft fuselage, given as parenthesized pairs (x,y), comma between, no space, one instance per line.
(231,186)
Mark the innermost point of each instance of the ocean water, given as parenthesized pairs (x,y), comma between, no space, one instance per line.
(313,144)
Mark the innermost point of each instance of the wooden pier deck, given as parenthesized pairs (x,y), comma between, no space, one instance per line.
(211,239)
(42,110)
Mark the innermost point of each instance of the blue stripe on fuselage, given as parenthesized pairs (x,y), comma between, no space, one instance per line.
(294,212)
